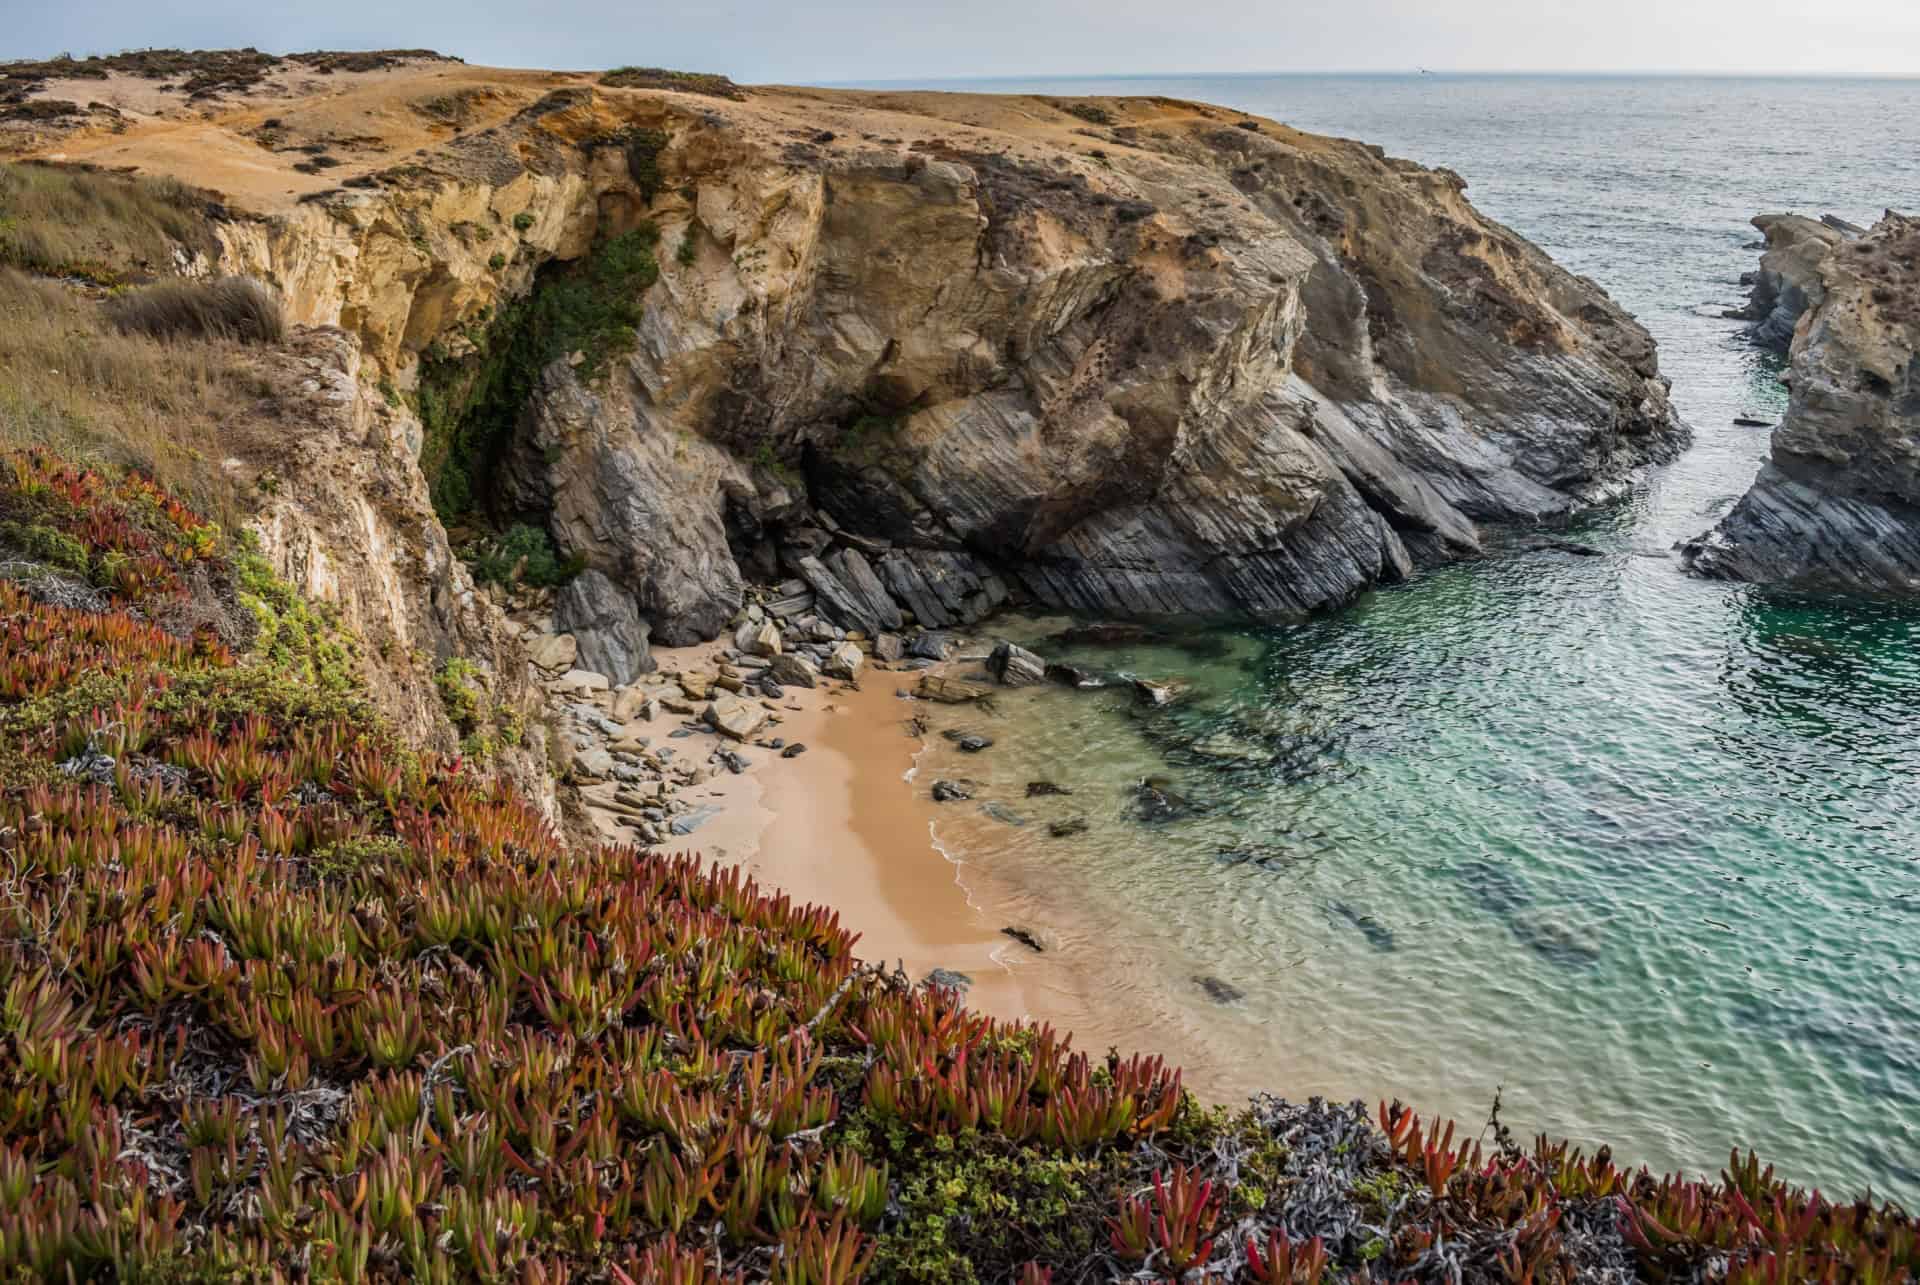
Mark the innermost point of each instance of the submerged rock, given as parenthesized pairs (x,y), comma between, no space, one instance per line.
(951,792)
(1040,789)
(1068,828)
(949,691)
(1378,935)
(1220,992)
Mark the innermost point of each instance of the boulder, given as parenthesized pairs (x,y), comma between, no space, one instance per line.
(758,638)
(888,647)
(593,762)
(789,670)
(631,703)
(602,616)
(843,661)
(736,718)
(932,645)
(1015,666)
(554,652)
(1157,693)
(948,691)
(579,680)
(951,792)
(697,686)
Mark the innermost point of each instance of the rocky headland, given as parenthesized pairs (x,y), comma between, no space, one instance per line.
(1836,507)
(1787,284)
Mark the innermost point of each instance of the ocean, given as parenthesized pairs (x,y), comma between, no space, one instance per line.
(1639,853)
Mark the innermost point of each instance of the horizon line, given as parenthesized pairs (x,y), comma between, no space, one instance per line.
(1436,72)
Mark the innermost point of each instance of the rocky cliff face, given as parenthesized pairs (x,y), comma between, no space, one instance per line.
(1837,506)
(924,353)
(1787,285)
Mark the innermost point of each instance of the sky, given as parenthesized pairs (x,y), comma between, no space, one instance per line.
(831,41)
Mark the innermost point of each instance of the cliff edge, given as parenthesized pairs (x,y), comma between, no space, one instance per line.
(918,353)
(1836,507)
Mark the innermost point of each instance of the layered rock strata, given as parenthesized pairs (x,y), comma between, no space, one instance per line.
(1836,507)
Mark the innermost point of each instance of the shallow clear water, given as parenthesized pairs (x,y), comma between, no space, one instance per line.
(1642,850)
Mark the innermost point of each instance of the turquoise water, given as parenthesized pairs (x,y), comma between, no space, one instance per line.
(1640,851)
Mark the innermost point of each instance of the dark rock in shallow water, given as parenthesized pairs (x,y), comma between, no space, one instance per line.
(1025,938)
(1575,548)
(1378,935)
(1015,666)
(1494,887)
(950,792)
(1075,676)
(1154,803)
(1003,814)
(1220,992)
(1749,421)
(1546,935)
(1105,634)
(1068,828)
(1040,789)
(968,742)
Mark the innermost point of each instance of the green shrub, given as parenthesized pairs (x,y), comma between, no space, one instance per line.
(498,261)
(523,220)
(523,554)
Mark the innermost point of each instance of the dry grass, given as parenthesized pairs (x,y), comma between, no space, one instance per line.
(108,228)
(234,308)
(70,381)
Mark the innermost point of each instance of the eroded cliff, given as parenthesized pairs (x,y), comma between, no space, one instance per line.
(1836,507)
(924,352)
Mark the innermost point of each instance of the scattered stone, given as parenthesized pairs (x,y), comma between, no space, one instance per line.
(1068,828)
(1041,789)
(736,718)
(729,683)
(932,645)
(630,703)
(1154,803)
(888,647)
(1025,938)
(697,686)
(1220,992)
(693,820)
(789,670)
(948,979)
(579,680)
(1149,692)
(948,691)
(1015,666)
(793,751)
(735,763)
(673,706)
(596,763)
(1748,421)
(843,661)
(950,792)
(554,652)
(760,638)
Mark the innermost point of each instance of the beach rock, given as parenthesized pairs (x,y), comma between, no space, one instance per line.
(593,762)
(1025,937)
(1836,507)
(790,670)
(1003,814)
(758,638)
(555,652)
(697,686)
(673,706)
(736,718)
(631,703)
(948,979)
(888,647)
(605,620)
(950,792)
(1076,676)
(1042,789)
(1067,828)
(1105,633)
(734,763)
(1154,803)
(968,742)
(948,691)
(579,680)
(793,751)
(844,661)
(1015,666)
(932,645)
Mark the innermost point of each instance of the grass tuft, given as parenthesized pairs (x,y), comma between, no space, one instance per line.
(234,308)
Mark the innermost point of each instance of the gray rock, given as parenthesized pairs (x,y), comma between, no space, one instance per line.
(844,661)
(888,647)
(948,979)
(733,717)
(604,619)
(932,645)
(594,762)
(950,792)
(555,652)
(1015,666)
(790,670)
(793,751)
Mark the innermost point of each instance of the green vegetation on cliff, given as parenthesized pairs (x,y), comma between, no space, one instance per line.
(469,405)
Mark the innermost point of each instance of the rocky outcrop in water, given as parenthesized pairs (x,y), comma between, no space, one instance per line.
(1787,285)
(1837,505)
(925,353)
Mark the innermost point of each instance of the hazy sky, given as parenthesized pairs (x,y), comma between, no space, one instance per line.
(836,40)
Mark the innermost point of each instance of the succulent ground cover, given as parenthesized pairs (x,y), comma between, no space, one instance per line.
(283,999)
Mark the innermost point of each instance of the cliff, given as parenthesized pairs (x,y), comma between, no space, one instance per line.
(1836,507)
(924,352)
(1787,285)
